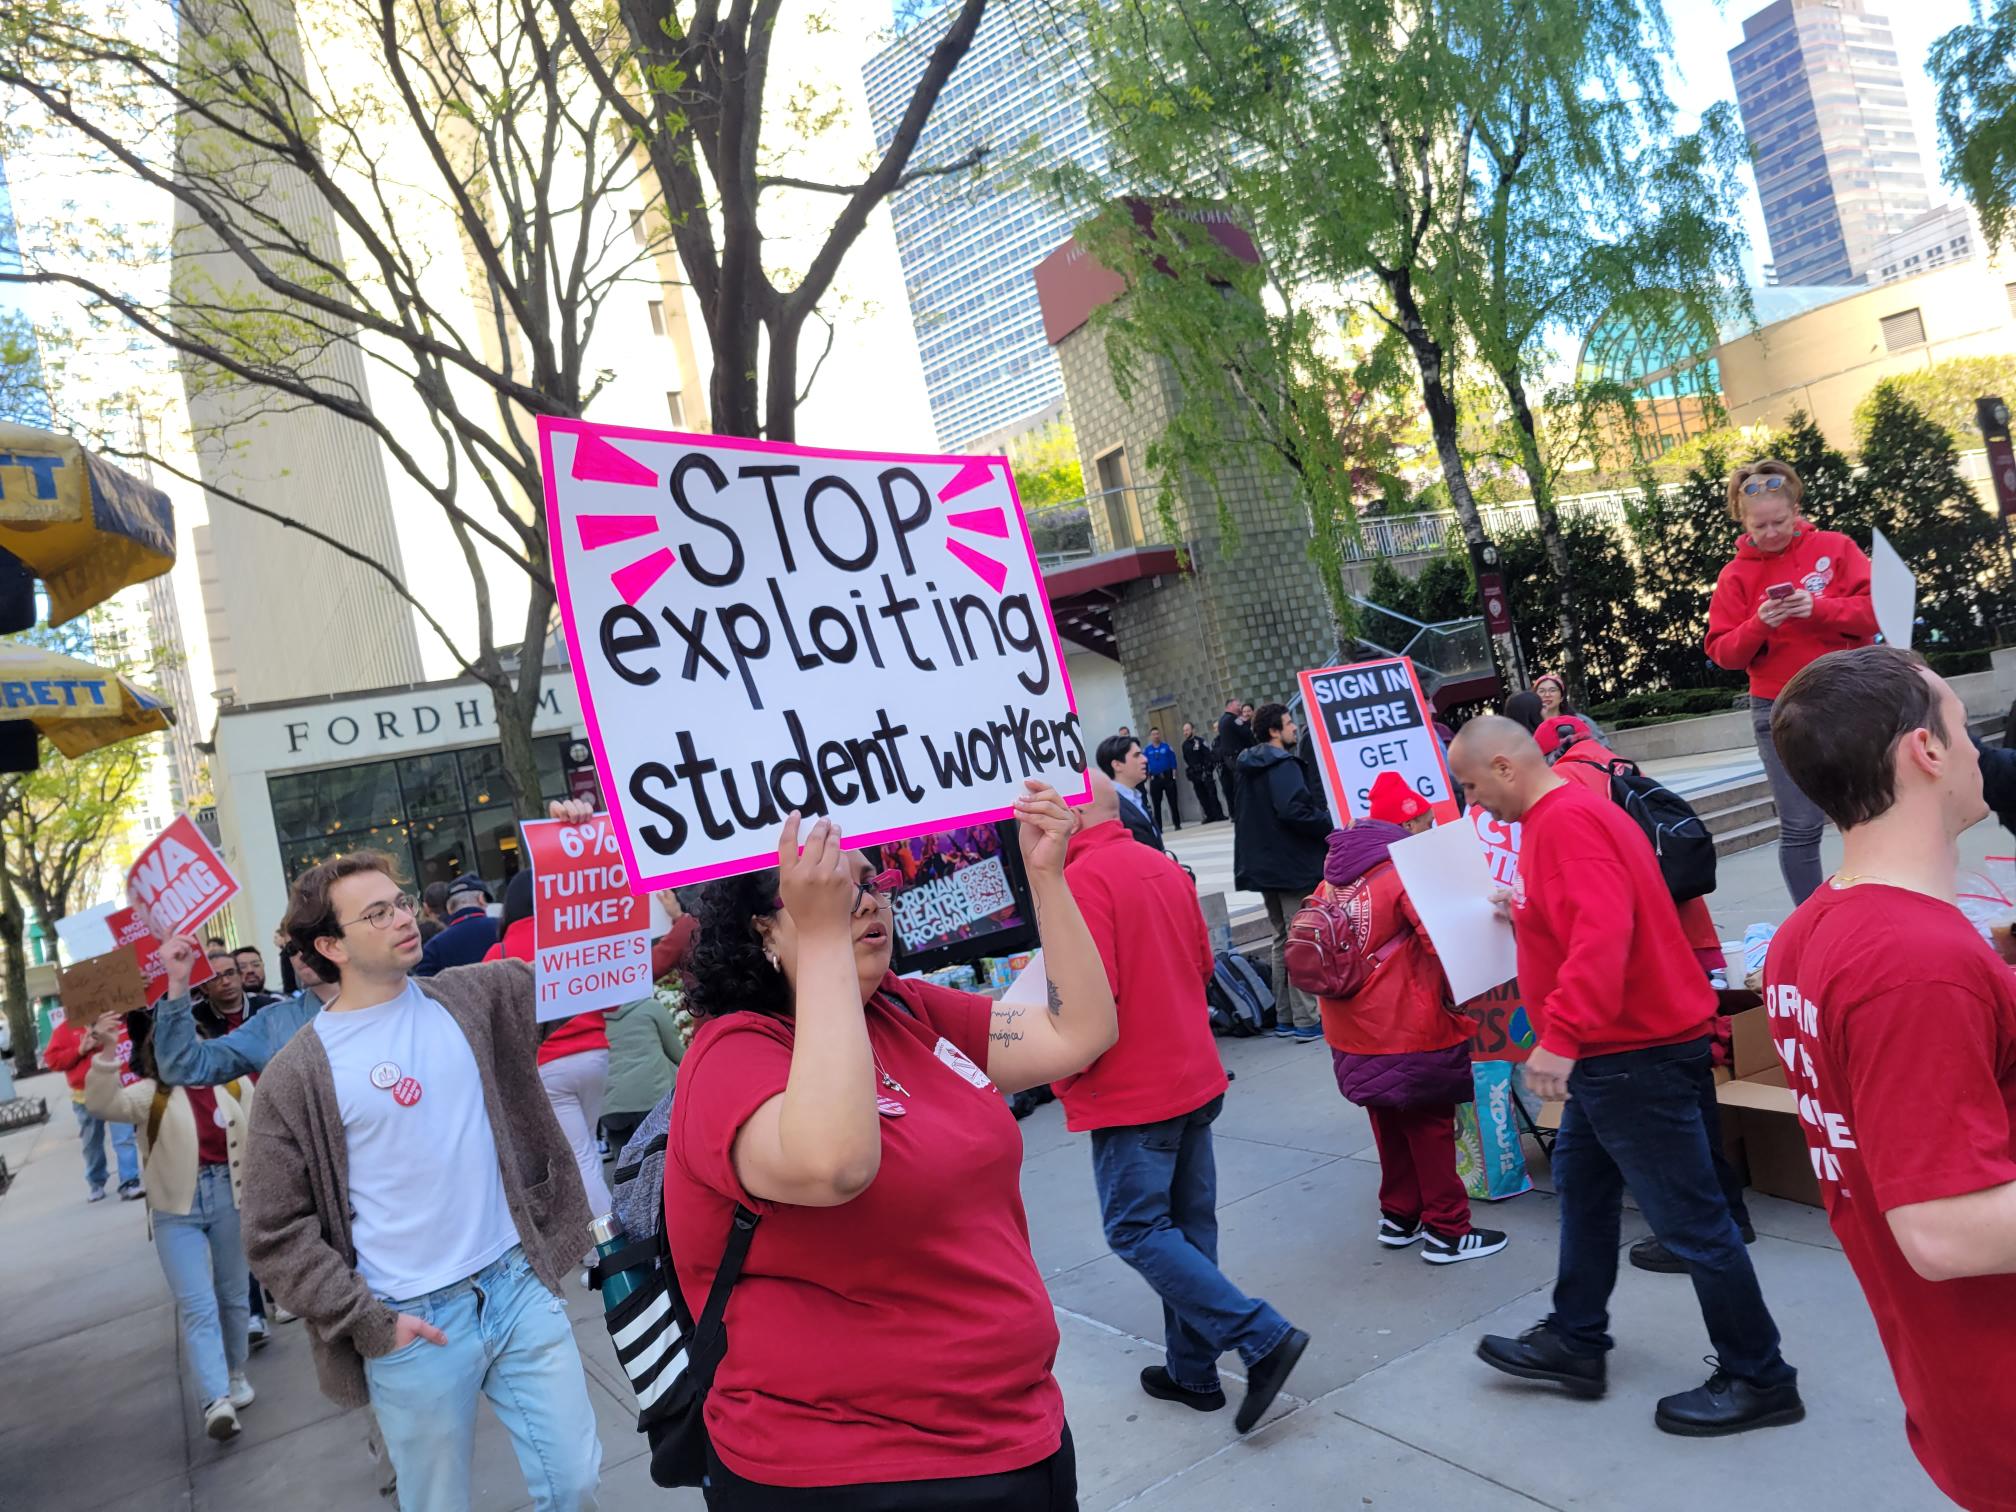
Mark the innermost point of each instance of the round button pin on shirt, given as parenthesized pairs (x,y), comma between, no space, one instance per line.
(384,1075)
(407,1092)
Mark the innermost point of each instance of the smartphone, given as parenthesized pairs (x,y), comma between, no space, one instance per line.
(1779,591)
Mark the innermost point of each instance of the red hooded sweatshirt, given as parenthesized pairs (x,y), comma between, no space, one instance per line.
(1601,955)
(572,1036)
(1142,911)
(1827,565)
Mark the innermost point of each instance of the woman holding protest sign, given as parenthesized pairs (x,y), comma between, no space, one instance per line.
(890,1339)
(1791,594)
(192,1145)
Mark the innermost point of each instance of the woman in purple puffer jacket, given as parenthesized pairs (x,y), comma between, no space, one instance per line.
(1401,1050)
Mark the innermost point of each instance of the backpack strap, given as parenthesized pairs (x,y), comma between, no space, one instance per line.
(155,1110)
(708,1329)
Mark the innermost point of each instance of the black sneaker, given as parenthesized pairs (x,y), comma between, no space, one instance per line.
(1651,1255)
(1724,1404)
(1539,1355)
(1397,1235)
(1474,1245)
(1155,1381)
(1265,1380)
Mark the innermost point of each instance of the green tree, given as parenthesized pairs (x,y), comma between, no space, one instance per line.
(1975,69)
(1911,489)
(1946,392)
(1682,535)
(1046,467)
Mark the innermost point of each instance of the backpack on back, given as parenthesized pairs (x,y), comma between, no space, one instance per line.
(1327,953)
(1240,999)
(1681,843)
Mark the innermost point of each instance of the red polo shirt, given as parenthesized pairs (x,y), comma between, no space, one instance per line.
(1142,910)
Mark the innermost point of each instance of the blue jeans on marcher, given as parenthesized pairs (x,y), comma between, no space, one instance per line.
(1158,1190)
(508,1339)
(203,1257)
(1636,1118)
(91,1129)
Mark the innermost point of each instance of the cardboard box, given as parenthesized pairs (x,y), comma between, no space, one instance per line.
(1751,1049)
(1773,1148)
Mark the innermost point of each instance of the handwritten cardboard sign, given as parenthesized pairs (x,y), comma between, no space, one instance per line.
(757,628)
(1372,717)
(130,933)
(591,935)
(109,983)
(179,881)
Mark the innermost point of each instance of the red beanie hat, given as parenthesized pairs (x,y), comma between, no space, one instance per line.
(1551,732)
(1393,802)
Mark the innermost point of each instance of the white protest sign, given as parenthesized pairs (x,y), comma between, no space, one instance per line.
(591,938)
(1893,590)
(1372,717)
(757,628)
(88,934)
(1448,879)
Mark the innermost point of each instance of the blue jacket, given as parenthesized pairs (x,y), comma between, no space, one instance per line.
(1161,759)
(465,941)
(187,1061)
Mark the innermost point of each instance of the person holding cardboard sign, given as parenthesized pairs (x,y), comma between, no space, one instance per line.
(1624,1015)
(1896,1023)
(893,1327)
(1792,594)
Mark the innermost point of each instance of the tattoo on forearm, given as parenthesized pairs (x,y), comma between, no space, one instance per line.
(1056,1000)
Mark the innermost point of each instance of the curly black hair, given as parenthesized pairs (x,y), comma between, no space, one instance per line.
(728,969)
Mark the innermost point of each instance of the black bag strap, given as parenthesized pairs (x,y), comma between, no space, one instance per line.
(636,1252)
(630,1172)
(708,1329)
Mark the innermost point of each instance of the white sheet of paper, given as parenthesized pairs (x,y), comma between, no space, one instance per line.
(1032,986)
(1448,879)
(1894,590)
(87,934)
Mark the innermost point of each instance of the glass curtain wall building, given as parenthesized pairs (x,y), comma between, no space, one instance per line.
(969,242)
(1837,162)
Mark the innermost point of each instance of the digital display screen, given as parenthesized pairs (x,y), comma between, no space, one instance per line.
(960,895)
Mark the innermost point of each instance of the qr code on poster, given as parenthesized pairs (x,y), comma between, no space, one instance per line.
(986,888)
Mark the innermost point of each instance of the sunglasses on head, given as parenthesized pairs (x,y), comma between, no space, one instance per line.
(1765,483)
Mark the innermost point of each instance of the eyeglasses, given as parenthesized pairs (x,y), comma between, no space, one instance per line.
(874,890)
(381,915)
(1764,483)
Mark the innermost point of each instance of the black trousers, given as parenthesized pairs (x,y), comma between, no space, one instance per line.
(1049,1485)
(1162,788)
(1231,786)
(1207,798)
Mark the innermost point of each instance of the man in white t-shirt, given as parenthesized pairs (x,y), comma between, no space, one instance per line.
(411,1195)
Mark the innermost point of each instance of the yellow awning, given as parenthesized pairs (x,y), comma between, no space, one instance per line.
(84,527)
(76,706)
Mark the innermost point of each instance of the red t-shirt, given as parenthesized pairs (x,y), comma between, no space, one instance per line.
(1897,1026)
(1143,914)
(905,1335)
(1601,954)
(211,1148)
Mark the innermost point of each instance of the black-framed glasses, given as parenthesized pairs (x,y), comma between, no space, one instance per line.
(381,915)
(1764,483)
(877,890)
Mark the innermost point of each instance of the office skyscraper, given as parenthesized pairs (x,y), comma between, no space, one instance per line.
(1838,167)
(968,244)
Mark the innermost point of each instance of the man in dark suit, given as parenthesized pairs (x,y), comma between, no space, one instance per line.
(1235,735)
(1121,759)
(1201,767)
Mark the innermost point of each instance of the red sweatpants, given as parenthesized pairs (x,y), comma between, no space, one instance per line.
(1417,1167)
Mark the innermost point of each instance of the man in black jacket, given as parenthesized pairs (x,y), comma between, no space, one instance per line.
(1201,767)
(1279,840)
(1998,780)
(1235,738)
(1121,759)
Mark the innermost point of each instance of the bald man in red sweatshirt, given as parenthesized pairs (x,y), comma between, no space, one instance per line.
(1624,1015)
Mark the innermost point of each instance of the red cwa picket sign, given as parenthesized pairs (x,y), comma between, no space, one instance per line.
(591,935)
(179,881)
(127,929)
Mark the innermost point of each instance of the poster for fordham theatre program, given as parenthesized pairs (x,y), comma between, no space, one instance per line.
(1371,717)
(757,628)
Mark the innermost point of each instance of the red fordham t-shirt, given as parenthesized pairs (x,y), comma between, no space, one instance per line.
(905,1335)
(1897,1026)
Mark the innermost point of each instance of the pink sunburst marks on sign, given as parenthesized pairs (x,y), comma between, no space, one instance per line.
(991,521)
(596,461)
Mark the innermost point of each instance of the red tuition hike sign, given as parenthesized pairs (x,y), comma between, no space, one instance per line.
(591,935)
(757,628)
(127,929)
(178,882)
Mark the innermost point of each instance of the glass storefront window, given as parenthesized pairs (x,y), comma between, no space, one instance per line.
(440,815)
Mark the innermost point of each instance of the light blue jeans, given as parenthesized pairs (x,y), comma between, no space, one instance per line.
(91,1129)
(508,1339)
(203,1258)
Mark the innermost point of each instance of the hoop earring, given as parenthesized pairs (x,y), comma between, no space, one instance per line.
(771,956)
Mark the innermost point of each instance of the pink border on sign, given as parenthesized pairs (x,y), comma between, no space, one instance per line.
(1444,811)
(551,425)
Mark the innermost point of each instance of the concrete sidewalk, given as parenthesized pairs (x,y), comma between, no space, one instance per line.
(1389,1409)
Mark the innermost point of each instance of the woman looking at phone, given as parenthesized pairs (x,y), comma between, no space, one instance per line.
(890,1340)
(1792,594)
